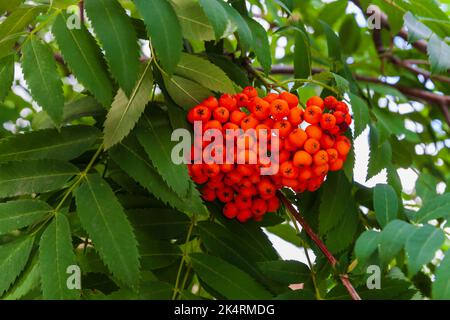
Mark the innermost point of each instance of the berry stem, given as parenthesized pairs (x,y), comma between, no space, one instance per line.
(331,259)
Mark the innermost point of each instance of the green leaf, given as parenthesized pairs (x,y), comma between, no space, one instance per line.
(40,71)
(439,54)
(125,112)
(286,272)
(115,31)
(421,247)
(302,55)
(102,216)
(28,280)
(426,186)
(393,238)
(21,213)
(360,114)
(441,285)
(218,17)
(286,232)
(6,75)
(186,93)
(157,254)
(231,69)
(332,207)
(193,21)
(380,153)
(416,29)
(260,44)
(34,176)
(13,258)
(55,256)
(386,203)
(66,144)
(334,46)
(85,59)
(226,279)
(164,29)
(161,224)
(243,30)
(131,157)
(155,136)
(435,208)
(366,244)
(392,123)
(350,35)
(204,72)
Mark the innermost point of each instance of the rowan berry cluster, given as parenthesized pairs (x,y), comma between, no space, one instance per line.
(311,143)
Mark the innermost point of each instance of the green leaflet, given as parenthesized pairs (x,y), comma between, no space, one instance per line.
(193,21)
(125,112)
(154,134)
(334,46)
(218,17)
(13,258)
(84,58)
(260,44)
(441,286)
(386,204)
(34,176)
(286,272)
(416,29)
(116,33)
(28,280)
(6,75)
(380,153)
(164,29)
(41,75)
(366,244)
(439,54)
(66,144)
(131,157)
(393,238)
(21,213)
(55,256)
(426,186)
(302,54)
(361,113)
(226,279)
(157,254)
(435,208)
(421,247)
(102,216)
(186,93)
(204,72)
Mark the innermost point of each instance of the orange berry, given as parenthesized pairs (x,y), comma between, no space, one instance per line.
(242,100)
(244,215)
(320,157)
(249,122)
(260,108)
(273,204)
(226,167)
(342,106)
(348,119)
(328,121)
(289,146)
(315,101)
(305,174)
(314,132)
(295,116)
(330,102)
(259,207)
(228,101)
(327,141)
(259,131)
(343,147)
(302,159)
(298,137)
(311,146)
(212,124)
(230,210)
(312,114)
(290,98)
(229,126)
(337,165)
(271,97)
(250,92)
(201,113)
(288,170)
(266,189)
(284,156)
(332,155)
(284,127)
(279,109)
(211,170)
(243,202)
(320,170)
(291,183)
(244,170)
(208,194)
(226,194)
(211,103)
(221,114)
(236,116)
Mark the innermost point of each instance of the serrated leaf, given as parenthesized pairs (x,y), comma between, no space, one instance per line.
(302,55)
(65,144)
(260,44)
(28,280)
(334,46)
(34,176)
(243,30)
(13,258)
(156,254)
(55,256)
(193,21)
(104,219)
(115,31)
(125,112)
(393,238)
(421,247)
(336,191)
(441,285)
(218,18)
(435,208)
(154,134)
(186,93)
(439,54)
(226,279)
(286,232)
(392,123)
(21,213)
(204,72)
(341,236)
(416,29)
(366,244)
(286,272)
(386,204)
(40,71)
(131,157)
(360,113)
(380,153)
(236,74)
(164,29)
(6,75)
(85,59)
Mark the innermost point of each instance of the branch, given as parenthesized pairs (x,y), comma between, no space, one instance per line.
(331,259)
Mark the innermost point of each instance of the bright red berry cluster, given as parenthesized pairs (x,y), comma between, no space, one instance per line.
(311,144)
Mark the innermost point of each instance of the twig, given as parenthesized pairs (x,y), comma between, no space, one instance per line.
(331,259)
(81,7)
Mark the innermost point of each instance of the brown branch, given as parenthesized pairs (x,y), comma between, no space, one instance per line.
(81,7)
(314,237)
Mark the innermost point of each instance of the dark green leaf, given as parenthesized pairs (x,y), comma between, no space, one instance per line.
(360,113)
(218,17)
(157,254)
(186,93)
(260,44)
(6,75)
(302,55)
(193,21)
(21,213)
(393,238)
(366,244)
(435,208)
(439,54)
(441,285)
(386,203)
(286,272)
